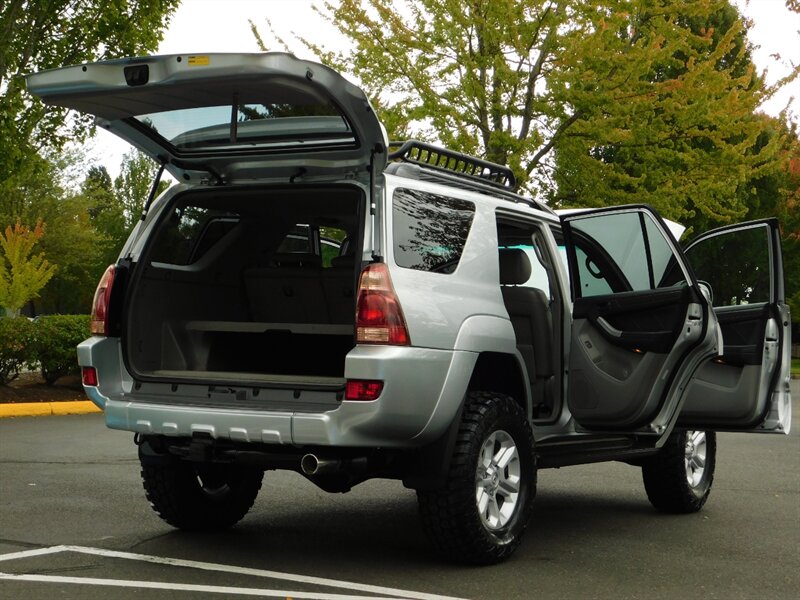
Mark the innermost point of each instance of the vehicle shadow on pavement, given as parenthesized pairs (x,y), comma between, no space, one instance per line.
(361,530)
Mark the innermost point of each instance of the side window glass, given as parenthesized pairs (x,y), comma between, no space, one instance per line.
(215,229)
(331,244)
(298,240)
(562,248)
(735,264)
(593,282)
(661,256)
(620,252)
(430,231)
(539,277)
(527,237)
(189,233)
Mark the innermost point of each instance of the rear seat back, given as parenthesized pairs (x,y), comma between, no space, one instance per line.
(289,291)
(529,310)
(338,283)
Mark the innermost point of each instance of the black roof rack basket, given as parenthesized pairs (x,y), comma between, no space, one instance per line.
(454,163)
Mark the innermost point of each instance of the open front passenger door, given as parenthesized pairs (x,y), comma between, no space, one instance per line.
(641,325)
(747,387)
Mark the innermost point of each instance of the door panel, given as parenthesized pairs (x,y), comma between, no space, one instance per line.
(747,387)
(743,329)
(636,332)
(607,382)
(644,321)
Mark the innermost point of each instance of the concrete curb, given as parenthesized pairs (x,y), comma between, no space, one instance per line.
(45,409)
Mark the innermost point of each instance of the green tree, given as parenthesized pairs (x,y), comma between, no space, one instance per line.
(44,34)
(469,74)
(666,95)
(776,193)
(75,250)
(22,274)
(107,215)
(132,186)
(644,100)
(45,191)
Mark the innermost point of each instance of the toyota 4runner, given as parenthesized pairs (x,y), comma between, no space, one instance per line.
(310,297)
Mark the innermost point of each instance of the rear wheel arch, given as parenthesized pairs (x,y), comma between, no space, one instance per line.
(497,372)
(501,373)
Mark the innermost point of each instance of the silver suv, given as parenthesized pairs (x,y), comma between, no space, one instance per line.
(310,297)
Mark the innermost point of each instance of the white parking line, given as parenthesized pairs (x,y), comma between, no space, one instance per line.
(189,587)
(28,553)
(384,592)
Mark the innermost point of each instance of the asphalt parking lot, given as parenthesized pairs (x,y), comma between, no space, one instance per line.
(74,523)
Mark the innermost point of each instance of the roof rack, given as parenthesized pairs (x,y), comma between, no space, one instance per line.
(453,163)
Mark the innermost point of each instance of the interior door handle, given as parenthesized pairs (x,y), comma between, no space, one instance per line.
(609,328)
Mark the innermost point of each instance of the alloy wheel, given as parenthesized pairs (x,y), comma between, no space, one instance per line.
(695,457)
(497,480)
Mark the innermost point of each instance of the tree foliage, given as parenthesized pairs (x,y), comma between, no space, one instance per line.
(673,123)
(16,348)
(88,221)
(45,191)
(644,100)
(22,274)
(132,186)
(107,216)
(468,74)
(776,193)
(45,34)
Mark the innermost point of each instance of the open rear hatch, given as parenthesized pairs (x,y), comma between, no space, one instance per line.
(231,116)
(249,280)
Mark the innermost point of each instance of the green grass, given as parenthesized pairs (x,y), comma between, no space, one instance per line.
(796,367)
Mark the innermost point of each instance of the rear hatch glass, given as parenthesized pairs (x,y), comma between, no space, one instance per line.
(234,116)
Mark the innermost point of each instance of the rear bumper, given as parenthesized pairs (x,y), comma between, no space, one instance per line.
(422,393)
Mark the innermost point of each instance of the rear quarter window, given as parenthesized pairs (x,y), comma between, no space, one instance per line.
(189,233)
(429,230)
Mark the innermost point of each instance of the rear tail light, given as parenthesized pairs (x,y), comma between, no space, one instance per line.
(99,323)
(89,376)
(357,389)
(379,318)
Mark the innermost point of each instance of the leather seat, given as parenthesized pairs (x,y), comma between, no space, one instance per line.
(338,284)
(290,291)
(529,310)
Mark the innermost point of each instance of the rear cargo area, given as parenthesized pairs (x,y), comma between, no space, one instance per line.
(250,286)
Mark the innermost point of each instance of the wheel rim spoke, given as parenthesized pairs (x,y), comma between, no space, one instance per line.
(497,480)
(506,454)
(493,513)
(695,457)
(509,487)
(483,500)
(487,453)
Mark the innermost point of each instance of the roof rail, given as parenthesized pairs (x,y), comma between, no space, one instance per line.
(454,163)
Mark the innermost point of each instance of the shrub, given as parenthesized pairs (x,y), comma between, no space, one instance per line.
(16,346)
(55,338)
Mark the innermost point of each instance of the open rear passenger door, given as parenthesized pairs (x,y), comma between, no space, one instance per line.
(747,387)
(641,325)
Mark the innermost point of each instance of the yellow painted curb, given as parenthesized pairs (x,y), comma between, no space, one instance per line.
(42,409)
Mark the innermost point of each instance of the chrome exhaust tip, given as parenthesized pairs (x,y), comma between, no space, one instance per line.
(311,464)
